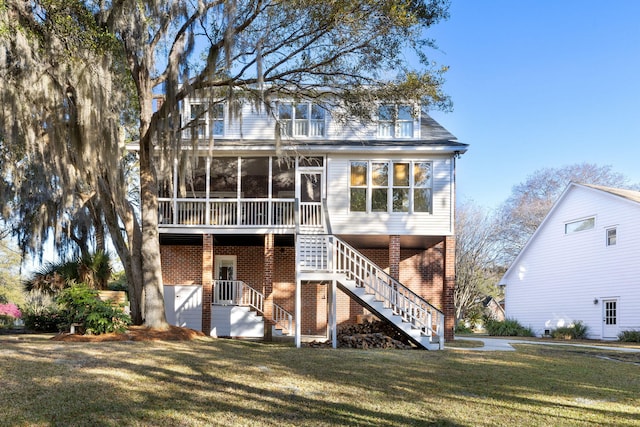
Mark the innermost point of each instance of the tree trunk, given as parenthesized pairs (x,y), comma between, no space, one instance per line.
(154,314)
(128,250)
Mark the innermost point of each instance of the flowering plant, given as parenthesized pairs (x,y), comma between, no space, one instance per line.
(8,313)
(10,310)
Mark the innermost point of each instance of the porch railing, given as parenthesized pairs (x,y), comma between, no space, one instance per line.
(237,292)
(226,212)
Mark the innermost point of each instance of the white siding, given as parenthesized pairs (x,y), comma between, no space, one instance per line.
(557,278)
(378,223)
(183,306)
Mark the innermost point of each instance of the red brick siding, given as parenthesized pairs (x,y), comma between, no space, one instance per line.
(181,265)
(430,273)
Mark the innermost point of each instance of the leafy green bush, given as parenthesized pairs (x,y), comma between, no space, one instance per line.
(576,331)
(629,336)
(462,328)
(506,328)
(81,305)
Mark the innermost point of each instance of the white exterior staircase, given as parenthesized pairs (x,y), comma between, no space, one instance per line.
(247,300)
(326,257)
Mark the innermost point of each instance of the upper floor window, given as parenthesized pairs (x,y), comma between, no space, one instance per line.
(395,121)
(303,119)
(206,120)
(579,225)
(390,186)
(612,236)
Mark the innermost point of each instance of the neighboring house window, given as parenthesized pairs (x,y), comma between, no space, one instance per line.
(611,236)
(378,186)
(395,121)
(580,225)
(202,118)
(303,119)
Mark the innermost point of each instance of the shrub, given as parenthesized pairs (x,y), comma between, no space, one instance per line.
(576,331)
(81,305)
(462,328)
(629,336)
(9,312)
(40,313)
(506,328)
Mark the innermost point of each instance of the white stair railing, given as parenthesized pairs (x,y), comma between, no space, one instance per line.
(282,319)
(314,255)
(237,292)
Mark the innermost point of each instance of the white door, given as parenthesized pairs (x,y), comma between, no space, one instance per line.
(310,193)
(610,311)
(225,276)
(183,305)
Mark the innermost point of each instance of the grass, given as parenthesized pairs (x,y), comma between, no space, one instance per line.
(235,383)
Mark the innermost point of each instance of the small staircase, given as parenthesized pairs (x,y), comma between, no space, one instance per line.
(242,306)
(321,257)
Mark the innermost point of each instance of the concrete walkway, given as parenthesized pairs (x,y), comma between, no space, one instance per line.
(504,344)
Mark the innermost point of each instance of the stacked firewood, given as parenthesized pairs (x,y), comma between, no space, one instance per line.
(368,335)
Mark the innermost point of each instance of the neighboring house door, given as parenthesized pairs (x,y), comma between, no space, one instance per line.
(225,276)
(610,318)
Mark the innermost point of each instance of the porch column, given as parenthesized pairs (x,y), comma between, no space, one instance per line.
(207,281)
(449,283)
(268,285)
(394,257)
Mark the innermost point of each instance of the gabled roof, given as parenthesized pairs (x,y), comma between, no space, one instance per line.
(433,138)
(630,195)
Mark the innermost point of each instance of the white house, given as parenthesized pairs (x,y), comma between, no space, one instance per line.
(333,220)
(581,264)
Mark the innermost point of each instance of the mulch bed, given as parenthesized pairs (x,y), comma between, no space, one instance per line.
(136,333)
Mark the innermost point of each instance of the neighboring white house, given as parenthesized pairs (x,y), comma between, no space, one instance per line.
(581,264)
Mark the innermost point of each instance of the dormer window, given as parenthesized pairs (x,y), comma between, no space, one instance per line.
(395,121)
(302,119)
(206,120)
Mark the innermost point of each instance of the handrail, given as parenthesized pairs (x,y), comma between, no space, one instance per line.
(282,318)
(402,300)
(237,292)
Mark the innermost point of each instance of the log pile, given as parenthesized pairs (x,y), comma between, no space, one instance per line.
(368,335)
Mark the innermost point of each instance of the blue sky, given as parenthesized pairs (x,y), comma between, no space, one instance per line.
(540,83)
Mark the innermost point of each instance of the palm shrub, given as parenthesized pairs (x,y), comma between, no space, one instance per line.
(93,269)
(575,331)
(81,305)
(629,336)
(506,328)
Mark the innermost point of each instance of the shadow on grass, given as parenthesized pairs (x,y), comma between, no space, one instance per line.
(224,382)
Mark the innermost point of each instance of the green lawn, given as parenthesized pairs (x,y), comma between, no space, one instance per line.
(230,382)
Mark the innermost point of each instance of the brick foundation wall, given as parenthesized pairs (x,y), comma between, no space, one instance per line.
(181,265)
(430,273)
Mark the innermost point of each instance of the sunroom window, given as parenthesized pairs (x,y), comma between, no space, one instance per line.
(388,186)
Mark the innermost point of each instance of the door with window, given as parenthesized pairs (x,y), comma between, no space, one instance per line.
(225,291)
(310,189)
(610,311)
